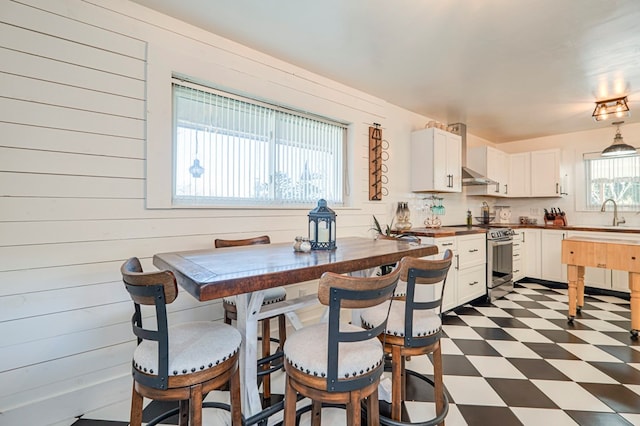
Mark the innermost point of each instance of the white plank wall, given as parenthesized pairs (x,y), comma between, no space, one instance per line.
(74,95)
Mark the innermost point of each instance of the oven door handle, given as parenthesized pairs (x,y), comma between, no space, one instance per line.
(501,243)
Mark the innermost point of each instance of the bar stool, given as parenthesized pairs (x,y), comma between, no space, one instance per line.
(182,362)
(414,328)
(271,295)
(337,362)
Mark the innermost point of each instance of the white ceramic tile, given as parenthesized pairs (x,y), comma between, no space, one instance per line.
(604,315)
(495,367)
(549,313)
(511,349)
(478,321)
(539,323)
(612,307)
(594,337)
(599,325)
(559,298)
(420,364)
(472,391)
(580,371)
(506,304)
(609,299)
(461,332)
(517,297)
(634,419)
(423,411)
(560,306)
(449,347)
(570,396)
(588,352)
(527,335)
(635,388)
(493,312)
(542,416)
(527,290)
(635,365)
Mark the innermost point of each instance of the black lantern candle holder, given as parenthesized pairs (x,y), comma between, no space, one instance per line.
(322,227)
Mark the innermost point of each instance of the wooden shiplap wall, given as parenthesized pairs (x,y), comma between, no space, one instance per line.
(73,102)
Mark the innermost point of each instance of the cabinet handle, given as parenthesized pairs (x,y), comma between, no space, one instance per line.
(523,237)
(506,189)
(473,250)
(516,254)
(457,262)
(497,187)
(516,271)
(474,283)
(557,187)
(446,244)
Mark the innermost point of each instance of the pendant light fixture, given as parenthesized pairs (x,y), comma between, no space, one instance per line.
(196,169)
(618,147)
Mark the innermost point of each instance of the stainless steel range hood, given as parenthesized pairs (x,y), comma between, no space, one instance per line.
(469,177)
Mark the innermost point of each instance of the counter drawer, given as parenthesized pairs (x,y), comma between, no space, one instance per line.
(472,283)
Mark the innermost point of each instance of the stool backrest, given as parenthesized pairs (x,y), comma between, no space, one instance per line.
(417,271)
(344,292)
(264,239)
(157,289)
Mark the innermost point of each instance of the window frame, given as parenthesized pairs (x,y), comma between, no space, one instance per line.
(584,195)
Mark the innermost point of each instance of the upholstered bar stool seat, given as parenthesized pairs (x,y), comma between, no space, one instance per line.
(272,295)
(337,362)
(413,328)
(181,362)
(193,347)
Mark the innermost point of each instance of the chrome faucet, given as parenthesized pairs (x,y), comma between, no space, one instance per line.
(616,221)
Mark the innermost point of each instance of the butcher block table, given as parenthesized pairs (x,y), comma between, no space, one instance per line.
(247,270)
(578,252)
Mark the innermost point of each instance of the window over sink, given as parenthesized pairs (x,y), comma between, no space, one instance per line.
(617,178)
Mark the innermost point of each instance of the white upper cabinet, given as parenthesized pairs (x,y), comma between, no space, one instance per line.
(493,164)
(545,173)
(436,161)
(520,174)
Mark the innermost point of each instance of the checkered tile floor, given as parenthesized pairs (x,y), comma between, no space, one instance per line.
(515,361)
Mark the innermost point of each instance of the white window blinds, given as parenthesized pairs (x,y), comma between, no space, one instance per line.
(616,178)
(230,150)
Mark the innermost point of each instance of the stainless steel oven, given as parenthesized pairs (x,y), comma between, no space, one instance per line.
(499,262)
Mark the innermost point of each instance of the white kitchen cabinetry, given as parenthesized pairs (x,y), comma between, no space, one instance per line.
(436,161)
(471,267)
(551,255)
(545,173)
(467,276)
(520,174)
(518,255)
(531,253)
(493,164)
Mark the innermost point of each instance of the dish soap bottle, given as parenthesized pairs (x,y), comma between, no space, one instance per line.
(469,222)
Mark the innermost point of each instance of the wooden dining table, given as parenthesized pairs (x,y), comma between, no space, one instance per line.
(248,270)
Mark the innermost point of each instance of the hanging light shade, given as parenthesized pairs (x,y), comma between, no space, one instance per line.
(618,147)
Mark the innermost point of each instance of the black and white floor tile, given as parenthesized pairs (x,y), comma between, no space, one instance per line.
(516,361)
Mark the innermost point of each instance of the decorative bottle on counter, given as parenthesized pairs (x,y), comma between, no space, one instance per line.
(469,221)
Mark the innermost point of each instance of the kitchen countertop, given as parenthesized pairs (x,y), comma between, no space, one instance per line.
(452,231)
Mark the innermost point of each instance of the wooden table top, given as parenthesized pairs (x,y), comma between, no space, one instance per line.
(215,273)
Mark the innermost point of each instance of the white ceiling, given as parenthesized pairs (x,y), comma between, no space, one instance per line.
(509,69)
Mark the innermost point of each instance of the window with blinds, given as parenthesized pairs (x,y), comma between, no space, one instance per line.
(616,178)
(230,150)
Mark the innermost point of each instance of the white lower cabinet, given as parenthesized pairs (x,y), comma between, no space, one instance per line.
(467,278)
(551,255)
(530,253)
